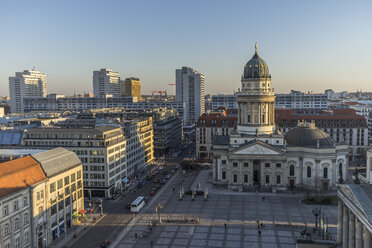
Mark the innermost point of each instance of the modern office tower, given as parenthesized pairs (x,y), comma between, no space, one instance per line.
(106,82)
(131,87)
(101,150)
(190,90)
(26,84)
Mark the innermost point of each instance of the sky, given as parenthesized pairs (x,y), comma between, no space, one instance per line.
(308,45)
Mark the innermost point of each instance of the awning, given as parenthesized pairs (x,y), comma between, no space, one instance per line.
(83,211)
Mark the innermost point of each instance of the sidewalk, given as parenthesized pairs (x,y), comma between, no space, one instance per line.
(68,237)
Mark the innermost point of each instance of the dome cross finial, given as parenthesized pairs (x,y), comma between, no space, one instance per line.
(255,47)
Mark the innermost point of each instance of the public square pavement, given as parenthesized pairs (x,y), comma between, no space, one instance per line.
(283,216)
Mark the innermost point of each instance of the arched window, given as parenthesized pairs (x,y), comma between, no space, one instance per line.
(291,170)
(325,173)
(309,172)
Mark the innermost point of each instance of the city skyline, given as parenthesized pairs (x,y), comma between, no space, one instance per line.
(323,44)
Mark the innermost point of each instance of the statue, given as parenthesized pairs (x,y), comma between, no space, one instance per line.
(255,47)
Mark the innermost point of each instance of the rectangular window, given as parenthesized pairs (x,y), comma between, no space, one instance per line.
(60,183)
(15,205)
(25,219)
(27,237)
(249,119)
(5,210)
(246,178)
(277,179)
(235,178)
(25,201)
(235,164)
(78,174)
(17,243)
(67,190)
(223,161)
(67,180)
(267,165)
(223,175)
(73,177)
(52,187)
(245,164)
(267,179)
(278,165)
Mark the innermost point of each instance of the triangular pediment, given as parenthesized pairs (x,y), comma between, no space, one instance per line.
(257,148)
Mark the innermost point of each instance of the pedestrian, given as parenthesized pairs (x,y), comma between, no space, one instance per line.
(85,226)
(151,243)
(135,235)
(259,232)
(261,225)
(225,225)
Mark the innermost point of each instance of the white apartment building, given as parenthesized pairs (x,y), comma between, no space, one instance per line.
(106,82)
(26,84)
(300,100)
(15,218)
(102,151)
(190,90)
(222,100)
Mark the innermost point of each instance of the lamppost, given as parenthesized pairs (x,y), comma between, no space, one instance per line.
(316,213)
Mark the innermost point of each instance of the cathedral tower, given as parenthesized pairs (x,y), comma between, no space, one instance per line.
(256,101)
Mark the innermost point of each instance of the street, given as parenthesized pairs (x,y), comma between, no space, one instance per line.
(117,213)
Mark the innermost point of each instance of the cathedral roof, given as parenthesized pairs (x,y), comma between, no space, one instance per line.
(307,135)
(256,67)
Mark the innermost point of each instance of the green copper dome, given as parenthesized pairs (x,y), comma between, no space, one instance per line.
(256,67)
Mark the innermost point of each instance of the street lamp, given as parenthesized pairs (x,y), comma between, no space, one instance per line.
(316,213)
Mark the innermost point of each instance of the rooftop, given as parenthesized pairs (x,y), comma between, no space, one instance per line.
(18,174)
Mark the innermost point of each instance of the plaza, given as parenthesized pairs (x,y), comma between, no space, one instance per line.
(227,219)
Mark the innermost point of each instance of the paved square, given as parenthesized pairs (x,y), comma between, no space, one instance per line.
(227,219)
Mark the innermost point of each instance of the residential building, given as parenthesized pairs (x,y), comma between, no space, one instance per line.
(131,87)
(40,195)
(190,90)
(71,103)
(256,153)
(26,84)
(106,82)
(222,100)
(210,125)
(102,151)
(56,201)
(15,201)
(301,100)
(168,133)
(342,125)
(140,146)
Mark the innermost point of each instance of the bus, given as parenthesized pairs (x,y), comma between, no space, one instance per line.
(136,206)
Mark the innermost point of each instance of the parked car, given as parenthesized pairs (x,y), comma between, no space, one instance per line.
(163,181)
(167,176)
(152,193)
(161,167)
(156,181)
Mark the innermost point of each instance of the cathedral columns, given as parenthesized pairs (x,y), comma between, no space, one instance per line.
(366,238)
(351,229)
(340,222)
(358,234)
(345,228)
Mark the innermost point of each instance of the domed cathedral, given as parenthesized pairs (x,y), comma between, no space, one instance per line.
(256,154)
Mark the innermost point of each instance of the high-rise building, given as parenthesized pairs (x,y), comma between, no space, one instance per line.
(131,87)
(190,90)
(106,82)
(26,84)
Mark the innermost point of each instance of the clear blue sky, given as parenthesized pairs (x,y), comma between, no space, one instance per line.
(308,45)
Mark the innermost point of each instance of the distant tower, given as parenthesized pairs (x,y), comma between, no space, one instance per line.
(131,87)
(256,102)
(106,82)
(190,90)
(26,84)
